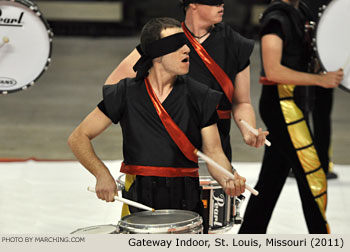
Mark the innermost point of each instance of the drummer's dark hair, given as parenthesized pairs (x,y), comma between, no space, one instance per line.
(152,29)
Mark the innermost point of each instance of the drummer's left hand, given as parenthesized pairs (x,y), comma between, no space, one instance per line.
(235,187)
(255,141)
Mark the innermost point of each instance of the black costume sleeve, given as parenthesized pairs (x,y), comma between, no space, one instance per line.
(210,103)
(242,47)
(273,27)
(278,21)
(113,101)
(102,107)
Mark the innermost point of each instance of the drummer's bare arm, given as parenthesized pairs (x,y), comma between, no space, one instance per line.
(211,146)
(80,143)
(124,69)
(272,46)
(243,109)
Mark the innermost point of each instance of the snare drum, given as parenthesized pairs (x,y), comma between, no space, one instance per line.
(221,211)
(101,229)
(25,45)
(333,39)
(161,222)
(120,182)
(219,208)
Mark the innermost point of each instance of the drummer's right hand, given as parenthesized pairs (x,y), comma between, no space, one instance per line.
(331,79)
(106,188)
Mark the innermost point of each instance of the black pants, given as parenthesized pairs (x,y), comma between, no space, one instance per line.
(321,116)
(277,161)
(182,193)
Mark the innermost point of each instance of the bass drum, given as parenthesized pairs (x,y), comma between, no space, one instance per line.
(25,45)
(333,39)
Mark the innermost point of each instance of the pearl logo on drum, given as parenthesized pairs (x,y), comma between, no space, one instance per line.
(11,21)
(219,203)
(7,82)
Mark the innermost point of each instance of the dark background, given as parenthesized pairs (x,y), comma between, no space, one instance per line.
(240,14)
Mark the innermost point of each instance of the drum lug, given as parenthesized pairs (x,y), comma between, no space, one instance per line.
(238,203)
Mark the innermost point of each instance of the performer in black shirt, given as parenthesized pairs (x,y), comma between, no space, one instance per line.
(322,109)
(285,64)
(225,49)
(164,119)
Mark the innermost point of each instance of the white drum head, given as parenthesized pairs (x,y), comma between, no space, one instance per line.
(161,222)
(25,45)
(333,39)
(102,229)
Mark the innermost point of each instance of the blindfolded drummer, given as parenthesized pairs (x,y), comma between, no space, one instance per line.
(164,117)
(220,60)
(284,67)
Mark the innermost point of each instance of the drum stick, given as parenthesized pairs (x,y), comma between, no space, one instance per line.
(5,40)
(126,201)
(222,169)
(346,64)
(254,131)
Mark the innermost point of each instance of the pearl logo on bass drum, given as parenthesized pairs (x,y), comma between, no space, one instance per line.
(10,21)
(7,82)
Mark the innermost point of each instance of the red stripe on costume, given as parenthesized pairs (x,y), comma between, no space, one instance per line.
(224,114)
(159,171)
(219,74)
(171,127)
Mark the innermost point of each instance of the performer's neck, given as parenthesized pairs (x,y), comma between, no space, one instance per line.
(196,26)
(162,83)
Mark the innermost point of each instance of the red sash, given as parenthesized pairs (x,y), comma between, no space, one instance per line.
(219,74)
(174,131)
(159,171)
(265,81)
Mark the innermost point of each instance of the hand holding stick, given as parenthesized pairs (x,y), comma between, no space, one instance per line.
(254,131)
(126,201)
(226,172)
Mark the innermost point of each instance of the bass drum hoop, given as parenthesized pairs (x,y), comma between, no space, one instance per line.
(319,57)
(31,6)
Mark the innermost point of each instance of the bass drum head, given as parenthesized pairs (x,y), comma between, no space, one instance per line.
(101,229)
(161,222)
(333,39)
(25,45)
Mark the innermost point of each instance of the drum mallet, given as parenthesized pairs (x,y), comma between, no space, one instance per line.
(254,131)
(222,169)
(126,201)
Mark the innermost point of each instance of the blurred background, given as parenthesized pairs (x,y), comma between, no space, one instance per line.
(91,37)
(126,17)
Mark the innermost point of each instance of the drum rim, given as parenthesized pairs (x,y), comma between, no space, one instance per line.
(341,86)
(212,185)
(31,6)
(95,226)
(190,224)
